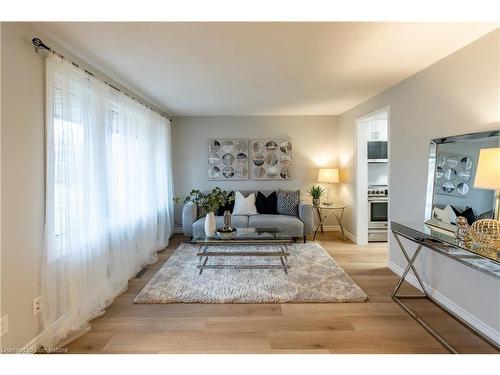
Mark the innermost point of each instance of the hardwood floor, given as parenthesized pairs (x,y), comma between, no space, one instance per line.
(377,326)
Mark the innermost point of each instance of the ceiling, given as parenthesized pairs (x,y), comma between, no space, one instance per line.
(238,69)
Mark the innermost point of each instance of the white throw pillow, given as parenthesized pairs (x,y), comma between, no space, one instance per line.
(446,214)
(244,206)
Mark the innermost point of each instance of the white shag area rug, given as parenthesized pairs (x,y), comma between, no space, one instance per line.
(314,277)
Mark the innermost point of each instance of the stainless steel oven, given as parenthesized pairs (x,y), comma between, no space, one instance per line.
(377,211)
(378,201)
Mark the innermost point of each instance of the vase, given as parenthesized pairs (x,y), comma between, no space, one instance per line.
(316,201)
(210,224)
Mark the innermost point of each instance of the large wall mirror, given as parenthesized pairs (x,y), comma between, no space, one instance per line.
(450,186)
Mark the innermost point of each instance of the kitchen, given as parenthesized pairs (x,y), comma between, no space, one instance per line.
(378,178)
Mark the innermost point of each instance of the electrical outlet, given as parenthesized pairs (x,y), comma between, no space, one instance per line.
(4,325)
(36,305)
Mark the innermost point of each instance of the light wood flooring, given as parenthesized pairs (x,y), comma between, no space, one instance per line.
(377,326)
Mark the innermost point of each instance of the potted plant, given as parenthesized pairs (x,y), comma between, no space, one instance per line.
(316,192)
(209,203)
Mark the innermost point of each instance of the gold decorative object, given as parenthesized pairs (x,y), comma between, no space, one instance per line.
(486,233)
(226,232)
(227,219)
(463,231)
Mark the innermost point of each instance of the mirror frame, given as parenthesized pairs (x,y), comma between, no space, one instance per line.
(434,143)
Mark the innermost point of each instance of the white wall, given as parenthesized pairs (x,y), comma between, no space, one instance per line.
(313,138)
(459,94)
(22,196)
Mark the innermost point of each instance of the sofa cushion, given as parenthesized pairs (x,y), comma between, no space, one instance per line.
(289,224)
(266,205)
(237,221)
(288,202)
(244,206)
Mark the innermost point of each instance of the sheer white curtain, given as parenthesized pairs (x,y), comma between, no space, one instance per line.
(108,196)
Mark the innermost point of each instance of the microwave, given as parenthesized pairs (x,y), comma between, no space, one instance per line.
(377,151)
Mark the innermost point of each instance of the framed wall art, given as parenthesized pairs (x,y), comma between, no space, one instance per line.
(227,159)
(271,159)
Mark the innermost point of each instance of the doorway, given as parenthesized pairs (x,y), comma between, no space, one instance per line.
(372,176)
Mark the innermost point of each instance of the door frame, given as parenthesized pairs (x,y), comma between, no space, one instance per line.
(361,173)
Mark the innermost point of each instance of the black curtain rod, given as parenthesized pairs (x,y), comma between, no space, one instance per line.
(38,43)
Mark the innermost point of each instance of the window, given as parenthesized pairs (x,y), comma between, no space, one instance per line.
(68,169)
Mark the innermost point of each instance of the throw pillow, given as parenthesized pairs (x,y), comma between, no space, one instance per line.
(244,206)
(266,205)
(485,215)
(468,213)
(288,203)
(227,207)
(200,212)
(446,214)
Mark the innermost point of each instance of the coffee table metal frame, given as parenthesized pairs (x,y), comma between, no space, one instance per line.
(204,253)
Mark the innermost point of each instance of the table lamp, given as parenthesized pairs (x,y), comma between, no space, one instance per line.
(488,173)
(330,176)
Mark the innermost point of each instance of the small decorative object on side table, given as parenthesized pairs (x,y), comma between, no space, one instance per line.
(316,192)
(337,209)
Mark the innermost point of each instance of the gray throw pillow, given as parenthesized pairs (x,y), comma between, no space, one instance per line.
(288,202)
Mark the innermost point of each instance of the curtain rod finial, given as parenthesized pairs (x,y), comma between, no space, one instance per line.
(38,43)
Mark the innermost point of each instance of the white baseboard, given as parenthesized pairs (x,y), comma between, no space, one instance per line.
(336,228)
(349,235)
(482,327)
(34,344)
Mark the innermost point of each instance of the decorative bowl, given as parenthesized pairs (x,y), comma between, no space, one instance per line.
(486,233)
(226,233)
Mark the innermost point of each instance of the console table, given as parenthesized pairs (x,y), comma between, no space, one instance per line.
(446,244)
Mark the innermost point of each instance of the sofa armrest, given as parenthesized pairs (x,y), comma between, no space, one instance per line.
(306,215)
(188,218)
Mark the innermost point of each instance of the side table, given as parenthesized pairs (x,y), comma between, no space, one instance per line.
(324,211)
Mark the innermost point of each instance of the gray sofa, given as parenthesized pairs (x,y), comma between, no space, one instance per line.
(299,226)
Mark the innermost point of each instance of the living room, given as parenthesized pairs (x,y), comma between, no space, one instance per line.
(226,187)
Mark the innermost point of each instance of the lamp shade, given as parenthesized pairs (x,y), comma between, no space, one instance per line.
(330,175)
(488,169)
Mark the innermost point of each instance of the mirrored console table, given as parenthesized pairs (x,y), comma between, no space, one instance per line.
(444,243)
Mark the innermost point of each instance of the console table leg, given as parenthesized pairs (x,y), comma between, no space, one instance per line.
(410,263)
(396,298)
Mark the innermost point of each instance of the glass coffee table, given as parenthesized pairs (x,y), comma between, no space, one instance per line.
(276,240)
